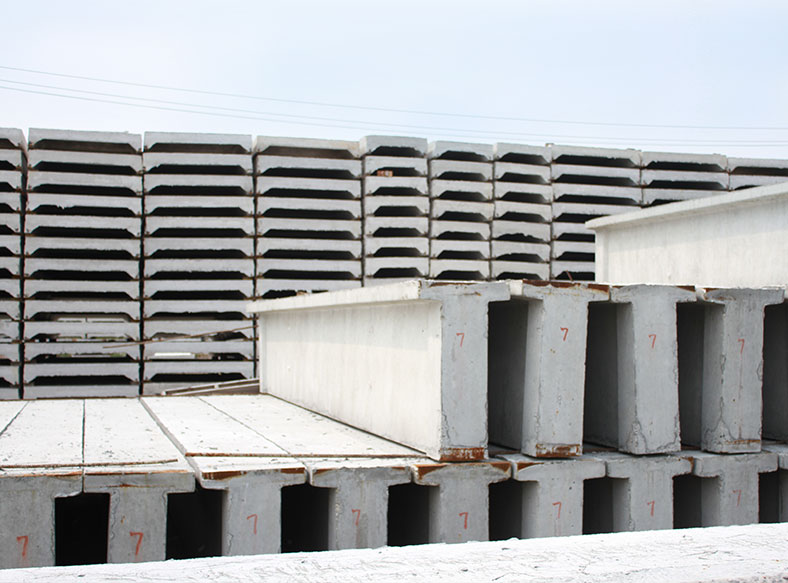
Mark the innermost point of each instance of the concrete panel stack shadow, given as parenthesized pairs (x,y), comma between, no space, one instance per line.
(198,259)
(461,210)
(81,286)
(308,215)
(396,208)
(520,245)
(671,177)
(750,172)
(13,160)
(587,183)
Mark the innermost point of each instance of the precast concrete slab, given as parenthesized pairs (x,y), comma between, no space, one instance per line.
(729,487)
(632,383)
(586,155)
(211,184)
(502,249)
(405,205)
(82,307)
(552,493)
(119,225)
(187,162)
(81,182)
(750,172)
(399,146)
(38,159)
(625,195)
(395,186)
(722,392)
(460,170)
(444,228)
(152,267)
(293,286)
(12,180)
(448,150)
(515,230)
(518,172)
(464,210)
(98,329)
(52,139)
(397,226)
(128,456)
(295,166)
(290,186)
(470,249)
(522,192)
(305,147)
(12,138)
(33,243)
(502,269)
(391,166)
(560,249)
(197,142)
(467,269)
(373,266)
(200,205)
(416,247)
(243,287)
(526,212)
(642,491)
(317,268)
(537,357)
(355,346)
(151,307)
(275,228)
(670,176)
(459,507)
(205,227)
(331,208)
(460,189)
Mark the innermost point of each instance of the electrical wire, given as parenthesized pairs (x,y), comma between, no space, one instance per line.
(392,110)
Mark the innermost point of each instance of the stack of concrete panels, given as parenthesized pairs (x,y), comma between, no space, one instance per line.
(396,208)
(12,164)
(198,259)
(308,215)
(750,172)
(520,245)
(671,176)
(81,264)
(587,183)
(461,210)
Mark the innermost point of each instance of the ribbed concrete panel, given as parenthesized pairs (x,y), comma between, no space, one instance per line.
(587,183)
(12,166)
(396,208)
(520,246)
(461,209)
(308,196)
(81,265)
(751,172)
(670,176)
(198,251)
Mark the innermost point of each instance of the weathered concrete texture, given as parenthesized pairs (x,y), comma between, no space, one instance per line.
(643,489)
(459,507)
(751,172)
(537,354)
(632,398)
(733,368)
(381,167)
(38,159)
(305,147)
(112,142)
(720,555)
(433,334)
(460,189)
(447,150)
(185,162)
(552,493)
(729,487)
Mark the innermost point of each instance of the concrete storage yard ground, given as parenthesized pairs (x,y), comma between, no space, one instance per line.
(525,400)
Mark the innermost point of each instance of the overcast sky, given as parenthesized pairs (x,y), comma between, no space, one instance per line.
(613,73)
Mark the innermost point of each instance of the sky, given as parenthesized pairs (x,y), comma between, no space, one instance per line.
(667,75)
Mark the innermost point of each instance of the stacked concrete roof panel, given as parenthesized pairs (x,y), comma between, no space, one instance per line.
(81,287)
(671,176)
(308,215)
(198,259)
(751,172)
(12,166)
(587,183)
(461,210)
(396,207)
(520,245)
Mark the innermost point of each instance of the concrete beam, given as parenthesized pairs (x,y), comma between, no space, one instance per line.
(459,511)
(537,366)
(370,338)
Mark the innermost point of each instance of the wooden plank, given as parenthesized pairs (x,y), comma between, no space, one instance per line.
(44,434)
(302,432)
(121,432)
(198,428)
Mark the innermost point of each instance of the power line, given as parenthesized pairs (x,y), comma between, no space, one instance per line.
(373,125)
(392,110)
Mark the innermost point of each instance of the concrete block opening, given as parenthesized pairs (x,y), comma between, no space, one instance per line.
(693,500)
(690,330)
(775,372)
(81,529)
(769,505)
(409,514)
(600,411)
(305,518)
(506,509)
(194,524)
(600,502)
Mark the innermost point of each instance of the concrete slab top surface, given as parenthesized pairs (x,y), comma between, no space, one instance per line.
(111,139)
(719,554)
